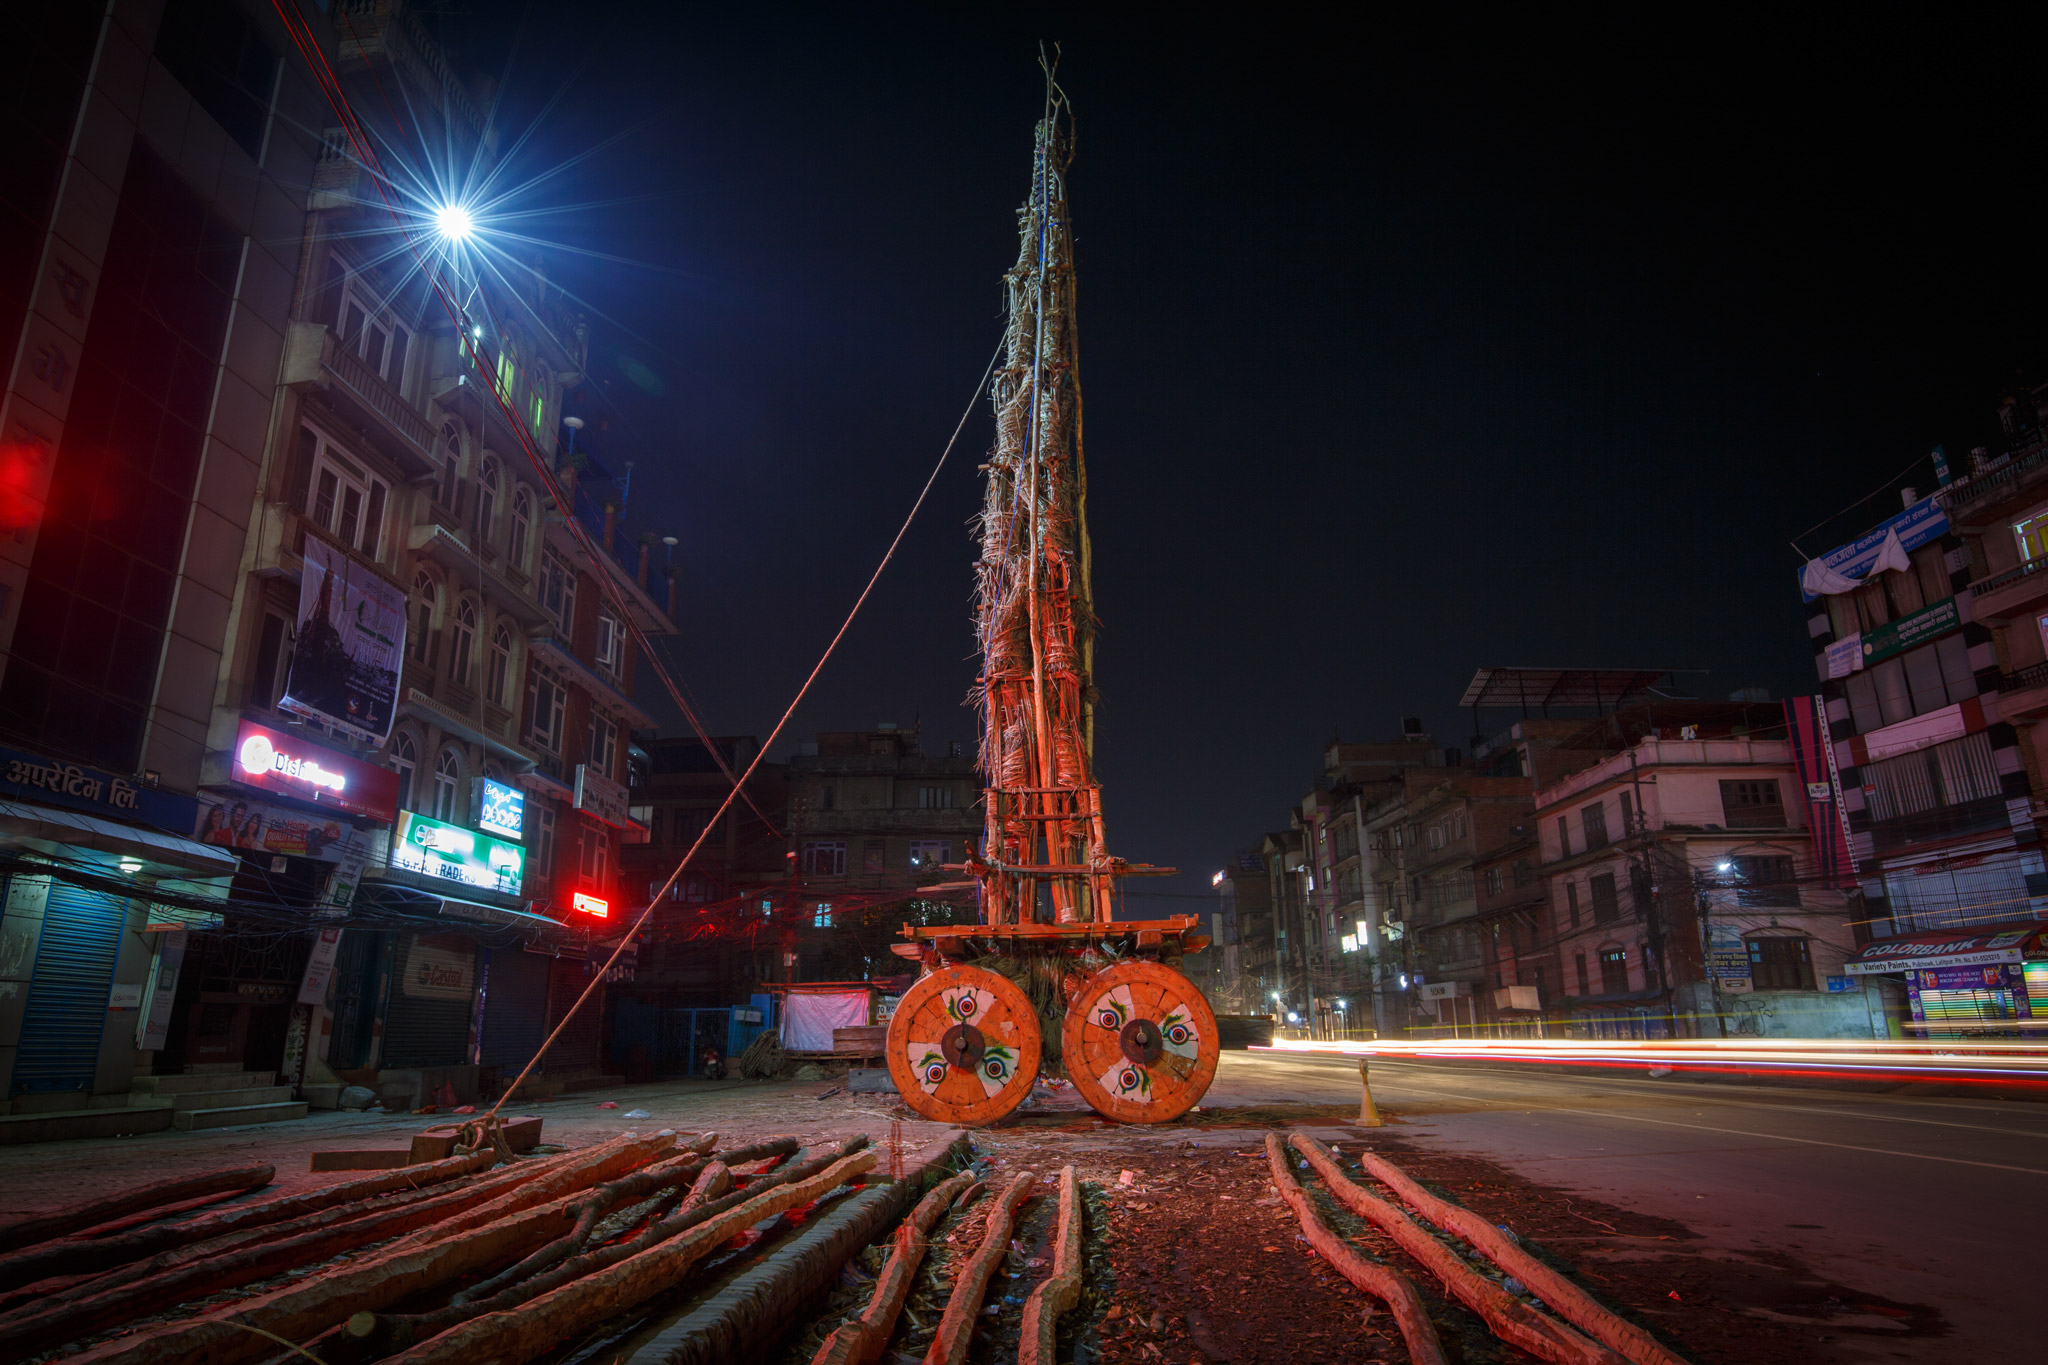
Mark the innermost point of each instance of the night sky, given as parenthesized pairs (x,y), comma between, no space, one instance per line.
(1405,350)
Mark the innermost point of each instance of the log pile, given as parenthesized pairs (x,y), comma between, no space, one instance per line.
(482,1256)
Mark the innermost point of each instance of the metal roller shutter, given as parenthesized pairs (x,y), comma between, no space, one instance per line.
(515,1008)
(432,993)
(578,1045)
(67,999)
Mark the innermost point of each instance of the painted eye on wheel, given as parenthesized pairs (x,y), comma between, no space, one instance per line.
(934,1073)
(966,1006)
(1127,1079)
(1110,1016)
(995,1068)
(1180,1035)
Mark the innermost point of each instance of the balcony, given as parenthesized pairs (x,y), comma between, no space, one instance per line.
(450,549)
(315,361)
(1974,502)
(2024,695)
(2011,593)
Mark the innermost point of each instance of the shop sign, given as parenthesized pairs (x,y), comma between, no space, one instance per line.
(351,641)
(1920,732)
(1446,990)
(434,848)
(590,905)
(1841,983)
(238,822)
(125,997)
(88,789)
(1844,656)
(439,974)
(1727,956)
(1964,950)
(1738,985)
(291,766)
(500,809)
(599,796)
(1896,637)
(320,968)
(1923,521)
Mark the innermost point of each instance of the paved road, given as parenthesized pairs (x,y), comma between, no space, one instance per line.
(1920,1201)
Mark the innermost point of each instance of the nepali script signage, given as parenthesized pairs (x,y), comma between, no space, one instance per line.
(1896,637)
(344,669)
(1918,524)
(66,784)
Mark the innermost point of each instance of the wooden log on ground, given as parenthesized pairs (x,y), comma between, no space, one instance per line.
(20,1232)
(1510,1319)
(956,1327)
(1037,1343)
(1565,1298)
(512,1338)
(1384,1283)
(622,1154)
(302,1310)
(78,1255)
(861,1341)
(72,1317)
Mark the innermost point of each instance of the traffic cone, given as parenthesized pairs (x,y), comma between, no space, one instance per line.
(1368,1115)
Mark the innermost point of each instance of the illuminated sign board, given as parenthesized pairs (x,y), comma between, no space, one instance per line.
(591,905)
(292,766)
(433,848)
(500,809)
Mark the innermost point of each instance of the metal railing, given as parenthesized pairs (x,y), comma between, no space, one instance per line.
(2035,676)
(2008,578)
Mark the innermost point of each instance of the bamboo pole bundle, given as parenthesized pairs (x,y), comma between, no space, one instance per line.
(956,1327)
(1509,1318)
(1384,1283)
(1566,1299)
(860,1341)
(1037,1343)
(78,1217)
(512,1338)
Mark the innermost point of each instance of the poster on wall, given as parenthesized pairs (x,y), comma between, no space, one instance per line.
(320,968)
(344,668)
(228,820)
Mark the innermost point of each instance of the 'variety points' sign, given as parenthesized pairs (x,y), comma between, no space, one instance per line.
(434,848)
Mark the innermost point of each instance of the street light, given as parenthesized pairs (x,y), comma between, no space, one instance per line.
(454,223)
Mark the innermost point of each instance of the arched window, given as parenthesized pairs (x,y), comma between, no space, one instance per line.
(499,679)
(465,642)
(427,598)
(451,465)
(405,761)
(447,782)
(487,499)
(522,525)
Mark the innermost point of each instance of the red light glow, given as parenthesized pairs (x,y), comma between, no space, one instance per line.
(591,905)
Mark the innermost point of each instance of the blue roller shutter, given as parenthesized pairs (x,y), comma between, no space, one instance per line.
(515,1009)
(67,998)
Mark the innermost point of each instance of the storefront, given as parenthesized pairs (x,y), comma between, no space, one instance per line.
(1985,981)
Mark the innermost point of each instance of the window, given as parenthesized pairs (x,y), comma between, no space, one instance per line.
(1436,837)
(487,500)
(821,915)
(426,595)
(1613,971)
(345,500)
(1765,880)
(2029,532)
(1921,680)
(544,840)
(271,662)
(522,525)
(1606,905)
(500,676)
(1780,963)
(935,798)
(405,761)
(691,886)
(688,822)
(1495,882)
(1752,804)
(1950,774)
(1564,838)
(926,854)
(603,751)
(368,330)
(1579,970)
(1459,827)
(873,855)
(1571,904)
(1524,874)
(446,488)
(594,853)
(824,859)
(611,643)
(464,652)
(546,701)
(558,590)
(1627,814)
(447,783)
(1593,819)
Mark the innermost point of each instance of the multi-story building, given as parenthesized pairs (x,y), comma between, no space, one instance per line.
(1239,967)
(872,818)
(430,610)
(1685,893)
(154,208)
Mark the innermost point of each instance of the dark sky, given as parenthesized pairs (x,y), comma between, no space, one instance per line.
(1405,350)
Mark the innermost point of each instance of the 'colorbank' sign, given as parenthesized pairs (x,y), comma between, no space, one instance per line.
(292,766)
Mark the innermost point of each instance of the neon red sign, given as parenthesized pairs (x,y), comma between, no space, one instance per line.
(591,905)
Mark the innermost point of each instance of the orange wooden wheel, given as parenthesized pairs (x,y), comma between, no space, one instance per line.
(1140,1042)
(963,1046)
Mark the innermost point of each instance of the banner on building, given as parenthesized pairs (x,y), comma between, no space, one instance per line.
(227,820)
(1806,729)
(153,1026)
(1923,521)
(320,968)
(351,643)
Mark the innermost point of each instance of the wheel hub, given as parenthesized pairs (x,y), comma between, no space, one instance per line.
(1142,1042)
(962,1046)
